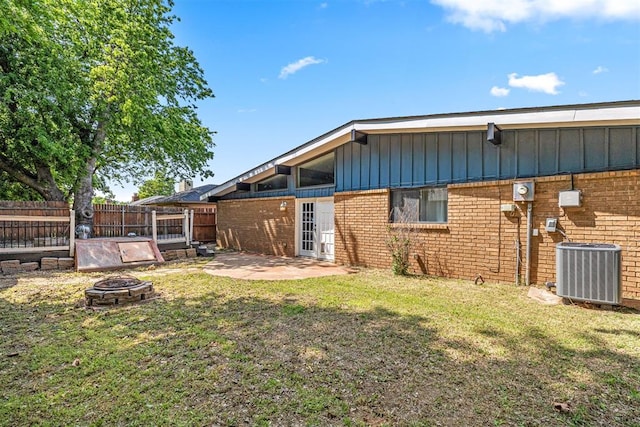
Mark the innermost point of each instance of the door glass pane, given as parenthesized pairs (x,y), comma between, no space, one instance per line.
(307,226)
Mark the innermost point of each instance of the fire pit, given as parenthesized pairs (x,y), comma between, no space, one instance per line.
(118,290)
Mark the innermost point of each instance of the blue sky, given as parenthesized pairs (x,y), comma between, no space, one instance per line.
(285,71)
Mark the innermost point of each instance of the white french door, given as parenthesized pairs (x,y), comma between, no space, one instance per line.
(316,228)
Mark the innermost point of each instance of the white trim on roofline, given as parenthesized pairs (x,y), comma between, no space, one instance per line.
(624,112)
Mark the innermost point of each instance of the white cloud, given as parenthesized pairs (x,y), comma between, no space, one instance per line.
(294,67)
(247,110)
(500,91)
(600,69)
(494,15)
(324,5)
(547,83)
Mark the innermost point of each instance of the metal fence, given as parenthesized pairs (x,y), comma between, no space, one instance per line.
(35,227)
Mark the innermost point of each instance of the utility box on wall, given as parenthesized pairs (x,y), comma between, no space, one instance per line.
(569,199)
(523,191)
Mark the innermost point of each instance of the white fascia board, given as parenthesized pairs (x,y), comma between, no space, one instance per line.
(505,119)
(314,146)
(608,114)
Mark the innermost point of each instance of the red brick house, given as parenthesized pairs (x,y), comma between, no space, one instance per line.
(459,177)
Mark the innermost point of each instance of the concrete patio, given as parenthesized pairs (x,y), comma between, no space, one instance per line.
(240,265)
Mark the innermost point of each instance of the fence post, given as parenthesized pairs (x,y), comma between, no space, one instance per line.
(123,229)
(72,232)
(191,226)
(154,226)
(185,226)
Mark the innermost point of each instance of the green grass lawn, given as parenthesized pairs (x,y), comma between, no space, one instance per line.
(364,349)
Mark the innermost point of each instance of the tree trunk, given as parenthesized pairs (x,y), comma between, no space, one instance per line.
(83,197)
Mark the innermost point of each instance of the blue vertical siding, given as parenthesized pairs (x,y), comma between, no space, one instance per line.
(406,160)
(365,166)
(459,157)
(547,152)
(622,153)
(431,158)
(374,161)
(395,161)
(507,156)
(569,150)
(595,149)
(526,149)
(412,160)
(385,161)
(475,156)
(421,159)
(314,192)
(444,157)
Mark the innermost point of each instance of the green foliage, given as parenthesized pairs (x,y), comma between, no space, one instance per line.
(401,239)
(11,190)
(96,89)
(159,185)
(399,246)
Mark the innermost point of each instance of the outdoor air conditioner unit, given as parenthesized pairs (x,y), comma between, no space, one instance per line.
(589,272)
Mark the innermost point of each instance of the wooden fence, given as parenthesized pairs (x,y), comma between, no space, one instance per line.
(50,226)
(123,220)
(204,224)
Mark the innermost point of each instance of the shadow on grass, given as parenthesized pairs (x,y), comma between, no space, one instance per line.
(7,282)
(214,359)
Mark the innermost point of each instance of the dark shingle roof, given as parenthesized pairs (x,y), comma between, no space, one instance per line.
(192,195)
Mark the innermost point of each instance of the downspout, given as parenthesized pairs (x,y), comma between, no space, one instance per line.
(529,225)
(518,259)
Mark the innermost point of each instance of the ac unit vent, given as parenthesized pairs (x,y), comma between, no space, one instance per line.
(588,272)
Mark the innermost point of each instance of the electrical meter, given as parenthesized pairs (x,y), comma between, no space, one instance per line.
(523,191)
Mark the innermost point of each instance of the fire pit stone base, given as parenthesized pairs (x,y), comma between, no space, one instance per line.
(117,291)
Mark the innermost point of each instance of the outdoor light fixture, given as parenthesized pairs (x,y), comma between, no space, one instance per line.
(359,137)
(283,206)
(494,134)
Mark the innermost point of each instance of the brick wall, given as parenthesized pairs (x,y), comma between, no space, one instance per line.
(361,220)
(257,225)
(481,240)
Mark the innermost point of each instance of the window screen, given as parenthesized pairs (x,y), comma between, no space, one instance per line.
(419,205)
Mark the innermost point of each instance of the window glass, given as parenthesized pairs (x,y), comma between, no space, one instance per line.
(277,182)
(419,205)
(318,171)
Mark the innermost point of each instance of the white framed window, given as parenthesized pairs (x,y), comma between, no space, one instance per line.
(415,205)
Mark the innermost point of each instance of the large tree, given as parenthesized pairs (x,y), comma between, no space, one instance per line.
(96,89)
(159,185)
